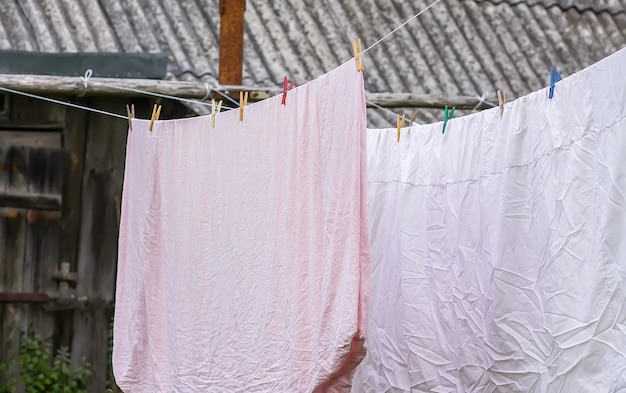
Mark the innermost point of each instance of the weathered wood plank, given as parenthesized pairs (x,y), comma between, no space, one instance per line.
(15,164)
(41,259)
(410,100)
(33,139)
(24,110)
(40,84)
(4,105)
(43,84)
(12,238)
(4,172)
(32,177)
(30,125)
(32,170)
(74,137)
(24,297)
(45,173)
(31,201)
(97,258)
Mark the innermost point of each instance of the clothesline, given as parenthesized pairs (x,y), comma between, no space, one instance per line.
(198,102)
(86,108)
(83,107)
(401,26)
(87,80)
(390,112)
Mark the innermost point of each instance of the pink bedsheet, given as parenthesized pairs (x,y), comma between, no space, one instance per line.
(243,250)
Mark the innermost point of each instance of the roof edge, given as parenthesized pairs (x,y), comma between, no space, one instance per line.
(104,65)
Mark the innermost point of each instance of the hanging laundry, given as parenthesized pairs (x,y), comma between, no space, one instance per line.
(243,249)
(499,248)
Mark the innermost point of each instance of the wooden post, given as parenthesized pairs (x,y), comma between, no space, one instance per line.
(231,41)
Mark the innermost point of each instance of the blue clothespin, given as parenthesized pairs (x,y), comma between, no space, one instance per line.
(447,116)
(553,79)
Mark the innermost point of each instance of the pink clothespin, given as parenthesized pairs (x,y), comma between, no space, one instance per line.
(286,88)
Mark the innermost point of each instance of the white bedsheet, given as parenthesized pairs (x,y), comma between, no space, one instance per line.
(499,248)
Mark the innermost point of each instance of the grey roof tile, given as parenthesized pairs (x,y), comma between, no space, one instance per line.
(458,47)
(18,36)
(612,6)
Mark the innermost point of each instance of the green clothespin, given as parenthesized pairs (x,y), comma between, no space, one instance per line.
(447,116)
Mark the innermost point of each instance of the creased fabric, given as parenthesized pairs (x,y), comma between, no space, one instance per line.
(243,249)
(499,248)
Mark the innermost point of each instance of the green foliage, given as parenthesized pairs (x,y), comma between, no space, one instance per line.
(40,370)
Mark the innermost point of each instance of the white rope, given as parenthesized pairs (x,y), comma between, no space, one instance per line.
(62,103)
(401,26)
(208,92)
(219,89)
(394,114)
(481,101)
(157,94)
(85,80)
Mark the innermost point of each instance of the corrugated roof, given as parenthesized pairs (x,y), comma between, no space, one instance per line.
(612,6)
(458,47)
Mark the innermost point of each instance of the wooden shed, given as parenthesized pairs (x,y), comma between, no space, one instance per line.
(61,173)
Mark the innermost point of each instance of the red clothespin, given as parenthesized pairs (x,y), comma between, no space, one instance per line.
(286,88)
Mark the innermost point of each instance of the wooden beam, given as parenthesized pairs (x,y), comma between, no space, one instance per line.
(72,86)
(58,85)
(231,41)
(29,125)
(30,201)
(24,297)
(408,100)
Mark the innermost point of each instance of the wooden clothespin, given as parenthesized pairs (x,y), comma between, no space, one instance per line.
(131,115)
(553,79)
(286,88)
(447,116)
(357,50)
(156,112)
(215,110)
(243,101)
(400,124)
(501,101)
